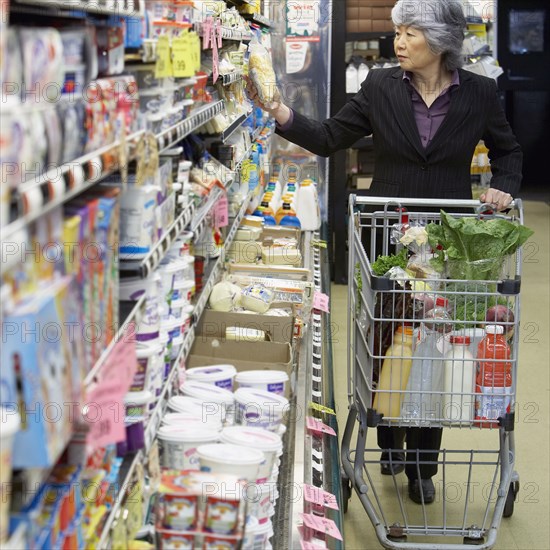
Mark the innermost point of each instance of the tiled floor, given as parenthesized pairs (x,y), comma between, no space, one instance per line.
(528,528)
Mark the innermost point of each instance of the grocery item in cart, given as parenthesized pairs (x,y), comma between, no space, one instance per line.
(394,374)
(420,406)
(493,378)
(458,381)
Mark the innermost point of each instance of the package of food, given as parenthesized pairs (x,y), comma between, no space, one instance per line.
(261,72)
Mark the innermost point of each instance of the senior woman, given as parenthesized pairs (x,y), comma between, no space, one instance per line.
(426,117)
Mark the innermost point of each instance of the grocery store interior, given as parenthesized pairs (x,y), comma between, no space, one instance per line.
(213,338)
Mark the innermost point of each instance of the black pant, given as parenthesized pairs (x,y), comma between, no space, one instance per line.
(421,439)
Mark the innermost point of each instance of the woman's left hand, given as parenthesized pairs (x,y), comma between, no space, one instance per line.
(500,199)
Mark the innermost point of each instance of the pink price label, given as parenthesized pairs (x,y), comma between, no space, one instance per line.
(316,426)
(104,413)
(321,302)
(320,497)
(121,363)
(221,212)
(206,33)
(220,33)
(322,525)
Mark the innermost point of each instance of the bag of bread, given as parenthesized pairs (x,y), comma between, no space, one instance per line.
(260,70)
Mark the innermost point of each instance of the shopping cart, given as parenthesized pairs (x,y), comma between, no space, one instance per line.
(475,487)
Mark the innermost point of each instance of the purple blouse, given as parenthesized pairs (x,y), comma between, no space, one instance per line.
(429,119)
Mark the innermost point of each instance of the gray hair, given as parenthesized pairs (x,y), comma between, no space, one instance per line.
(442,22)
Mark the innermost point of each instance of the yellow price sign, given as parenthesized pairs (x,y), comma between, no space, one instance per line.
(163,66)
(321,408)
(182,57)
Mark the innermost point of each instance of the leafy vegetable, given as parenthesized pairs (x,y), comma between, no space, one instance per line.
(471,302)
(384,263)
(475,247)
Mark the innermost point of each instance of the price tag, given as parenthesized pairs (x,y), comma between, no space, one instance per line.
(215,56)
(219,32)
(206,33)
(221,212)
(196,50)
(321,408)
(121,363)
(316,426)
(322,525)
(104,414)
(163,66)
(321,301)
(320,497)
(182,57)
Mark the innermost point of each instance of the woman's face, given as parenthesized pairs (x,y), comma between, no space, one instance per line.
(412,50)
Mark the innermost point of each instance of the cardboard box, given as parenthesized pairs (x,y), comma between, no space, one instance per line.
(208,350)
(213,324)
(211,348)
(379,25)
(365,13)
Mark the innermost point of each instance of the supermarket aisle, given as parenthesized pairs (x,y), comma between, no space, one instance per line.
(528,527)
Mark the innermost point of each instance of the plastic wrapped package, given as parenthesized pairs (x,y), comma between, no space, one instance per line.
(11,68)
(71,115)
(42,63)
(262,73)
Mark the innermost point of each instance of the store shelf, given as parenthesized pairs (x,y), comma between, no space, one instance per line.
(103,7)
(155,419)
(58,185)
(169,137)
(259,19)
(232,128)
(123,484)
(231,78)
(200,220)
(130,313)
(148,264)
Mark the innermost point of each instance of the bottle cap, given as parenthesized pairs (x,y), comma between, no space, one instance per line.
(494,329)
(460,340)
(442,302)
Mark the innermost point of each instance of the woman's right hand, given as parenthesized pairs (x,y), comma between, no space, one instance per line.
(277,109)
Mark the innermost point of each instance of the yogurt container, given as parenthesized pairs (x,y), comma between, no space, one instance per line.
(149,325)
(225,458)
(171,273)
(185,419)
(222,511)
(213,398)
(137,405)
(256,534)
(149,372)
(212,414)
(180,512)
(178,445)
(218,375)
(10,423)
(256,438)
(259,408)
(260,499)
(267,380)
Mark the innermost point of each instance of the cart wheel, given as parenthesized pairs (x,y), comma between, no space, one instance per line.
(510,499)
(346,492)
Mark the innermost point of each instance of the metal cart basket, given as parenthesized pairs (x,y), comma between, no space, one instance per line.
(471,397)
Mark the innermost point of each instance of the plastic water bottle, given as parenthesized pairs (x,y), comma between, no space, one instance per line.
(420,406)
(458,381)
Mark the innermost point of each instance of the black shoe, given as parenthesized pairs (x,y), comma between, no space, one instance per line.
(421,488)
(397,464)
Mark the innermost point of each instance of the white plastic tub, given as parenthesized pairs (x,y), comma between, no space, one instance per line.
(259,408)
(218,375)
(150,366)
(256,534)
(256,438)
(137,405)
(215,400)
(268,380)
(178,445)
(184,419)
(224,458)
(260,499)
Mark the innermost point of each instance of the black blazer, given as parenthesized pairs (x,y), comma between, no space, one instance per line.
(403,167)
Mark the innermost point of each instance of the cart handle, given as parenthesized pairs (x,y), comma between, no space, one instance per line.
(441,203)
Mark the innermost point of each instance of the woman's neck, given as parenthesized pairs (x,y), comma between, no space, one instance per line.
(432,80)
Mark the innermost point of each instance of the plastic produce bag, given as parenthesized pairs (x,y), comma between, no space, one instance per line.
(262,74)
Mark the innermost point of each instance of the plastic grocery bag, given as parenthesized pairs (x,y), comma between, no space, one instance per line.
(262,74)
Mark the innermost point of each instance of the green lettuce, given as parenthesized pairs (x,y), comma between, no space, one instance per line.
(474,248)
